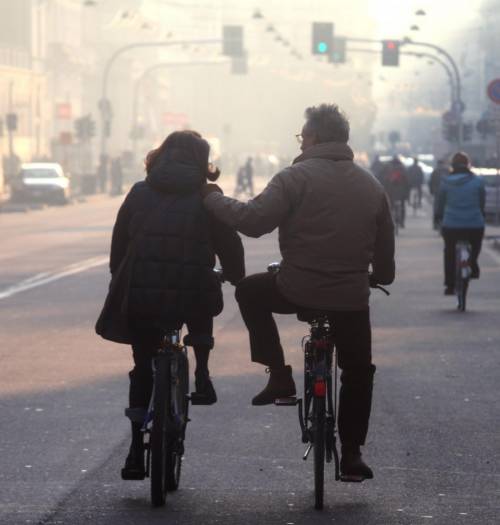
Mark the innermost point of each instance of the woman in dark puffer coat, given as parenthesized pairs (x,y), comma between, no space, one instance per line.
(172,280)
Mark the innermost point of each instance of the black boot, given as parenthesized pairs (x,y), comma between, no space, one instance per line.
(134,468)
(280,384)
(352,466)
(205,391)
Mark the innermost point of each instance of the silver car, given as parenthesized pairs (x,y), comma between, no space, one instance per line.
(41,182)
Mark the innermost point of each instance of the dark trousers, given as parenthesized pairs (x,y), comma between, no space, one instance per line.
(451,236)
(144,347)
(258,297)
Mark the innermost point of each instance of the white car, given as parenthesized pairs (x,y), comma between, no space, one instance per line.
(41,182)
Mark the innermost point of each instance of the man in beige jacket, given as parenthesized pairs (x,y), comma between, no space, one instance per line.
(334,224)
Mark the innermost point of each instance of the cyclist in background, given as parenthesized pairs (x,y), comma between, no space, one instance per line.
(172,279)
(334,222)
(397,187)
(460,209)
(416,180)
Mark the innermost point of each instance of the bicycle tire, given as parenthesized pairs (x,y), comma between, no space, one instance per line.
(175,444)
(319,408)
(159,437)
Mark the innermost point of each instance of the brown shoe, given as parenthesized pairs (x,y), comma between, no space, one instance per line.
(280,384)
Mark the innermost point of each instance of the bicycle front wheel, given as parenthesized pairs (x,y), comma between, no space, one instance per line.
(179,395)
(159,431)
(319,408)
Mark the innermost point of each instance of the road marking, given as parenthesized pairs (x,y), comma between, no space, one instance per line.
(49,277)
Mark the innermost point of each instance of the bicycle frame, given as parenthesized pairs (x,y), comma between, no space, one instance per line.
(320,359)
(171,343)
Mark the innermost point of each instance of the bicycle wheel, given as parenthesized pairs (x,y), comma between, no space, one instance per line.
(175,445)
(319,450)
(159,431)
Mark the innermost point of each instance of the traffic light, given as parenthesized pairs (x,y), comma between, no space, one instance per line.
(338,53)
(232,41)
(449,126)
(467,131)
(85,128)
(11,121)
(322,38)
(390,52)
(80,128)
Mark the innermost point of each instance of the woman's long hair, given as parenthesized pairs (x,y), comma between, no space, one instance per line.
(183,146)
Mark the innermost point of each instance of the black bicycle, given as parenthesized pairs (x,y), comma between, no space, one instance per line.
(164,423)
(318,409)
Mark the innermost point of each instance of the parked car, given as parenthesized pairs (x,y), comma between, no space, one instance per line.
(41,182)
(492,183)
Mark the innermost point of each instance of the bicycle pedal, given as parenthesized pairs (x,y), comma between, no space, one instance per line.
(286,401)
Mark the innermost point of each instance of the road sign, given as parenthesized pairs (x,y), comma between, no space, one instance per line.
(494,91)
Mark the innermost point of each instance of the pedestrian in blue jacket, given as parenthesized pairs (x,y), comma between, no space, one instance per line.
(460,208)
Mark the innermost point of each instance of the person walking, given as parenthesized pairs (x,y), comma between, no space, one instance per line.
(171,279)
(416,181)
(460,210)
(327,243)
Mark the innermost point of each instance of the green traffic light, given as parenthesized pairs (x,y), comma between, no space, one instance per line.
(322,47)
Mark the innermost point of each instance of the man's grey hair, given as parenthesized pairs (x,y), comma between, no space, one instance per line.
(328,123)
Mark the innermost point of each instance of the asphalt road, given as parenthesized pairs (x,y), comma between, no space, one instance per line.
(434,441)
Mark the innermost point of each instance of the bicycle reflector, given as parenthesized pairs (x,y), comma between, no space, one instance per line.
(319,388)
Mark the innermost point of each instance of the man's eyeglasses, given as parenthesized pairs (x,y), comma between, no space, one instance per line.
(299,138)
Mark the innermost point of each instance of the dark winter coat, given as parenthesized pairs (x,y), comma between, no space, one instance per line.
(172,275)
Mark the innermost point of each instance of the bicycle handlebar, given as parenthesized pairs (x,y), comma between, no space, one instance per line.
(378,287)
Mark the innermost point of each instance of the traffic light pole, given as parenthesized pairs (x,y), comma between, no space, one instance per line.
(458,105)
(429,56)
(149,71)
(105,105)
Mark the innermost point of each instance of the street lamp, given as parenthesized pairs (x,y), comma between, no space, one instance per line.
(257,14)
(420,12)
(414,27)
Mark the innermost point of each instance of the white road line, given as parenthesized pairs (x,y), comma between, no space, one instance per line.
(49,277)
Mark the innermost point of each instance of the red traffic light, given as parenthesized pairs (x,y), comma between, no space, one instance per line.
(391,45)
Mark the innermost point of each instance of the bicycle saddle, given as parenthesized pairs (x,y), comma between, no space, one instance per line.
(308,316)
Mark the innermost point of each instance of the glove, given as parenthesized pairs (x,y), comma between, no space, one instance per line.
(207,189)
(373,282)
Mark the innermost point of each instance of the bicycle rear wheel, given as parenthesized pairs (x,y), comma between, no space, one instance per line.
(159,431)
(179,395)
(319,408)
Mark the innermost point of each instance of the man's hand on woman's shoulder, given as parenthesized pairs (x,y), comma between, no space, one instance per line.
(207,189)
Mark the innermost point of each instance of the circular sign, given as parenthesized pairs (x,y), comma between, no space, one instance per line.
(494,91)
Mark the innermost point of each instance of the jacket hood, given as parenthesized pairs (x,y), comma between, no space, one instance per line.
(459,178)
(327,150)
(175,177)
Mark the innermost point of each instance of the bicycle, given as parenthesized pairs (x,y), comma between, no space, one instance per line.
(462,272)
(318,410)
(164,422)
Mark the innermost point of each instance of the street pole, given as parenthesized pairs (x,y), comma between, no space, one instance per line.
(458,106)
(105,105)
(429,56)
(149,71)
(497,186)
